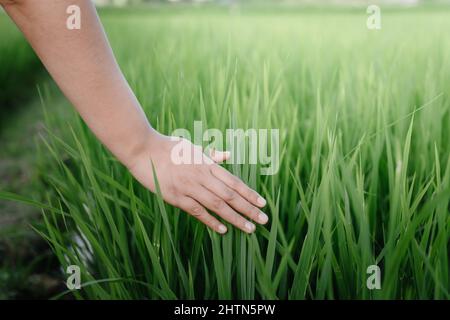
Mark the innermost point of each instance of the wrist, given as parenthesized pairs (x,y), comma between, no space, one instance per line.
(142,148)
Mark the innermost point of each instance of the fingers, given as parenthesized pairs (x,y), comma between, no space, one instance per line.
(219,206)
(236,184)
(209,186)
(235,200)
(219,156)
(196,210)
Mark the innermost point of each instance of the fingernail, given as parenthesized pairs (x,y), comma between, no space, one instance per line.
(250,227)
(261,201)
(263,218)
(222,229)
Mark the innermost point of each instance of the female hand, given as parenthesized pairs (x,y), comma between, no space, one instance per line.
(198,185)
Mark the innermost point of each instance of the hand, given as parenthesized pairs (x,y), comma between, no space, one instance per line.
(198,186)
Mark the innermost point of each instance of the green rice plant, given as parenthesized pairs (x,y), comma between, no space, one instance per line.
(364,174)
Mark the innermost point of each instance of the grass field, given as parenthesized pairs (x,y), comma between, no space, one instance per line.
(364,176)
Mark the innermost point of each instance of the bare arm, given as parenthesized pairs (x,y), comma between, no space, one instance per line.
(83,65)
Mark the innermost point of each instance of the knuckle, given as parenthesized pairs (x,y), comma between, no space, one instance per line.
(229,195)
(196,210)
(218,204)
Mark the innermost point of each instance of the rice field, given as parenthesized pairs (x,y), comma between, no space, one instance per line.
(364,175)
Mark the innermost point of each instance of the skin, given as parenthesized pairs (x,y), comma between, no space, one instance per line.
(83,65)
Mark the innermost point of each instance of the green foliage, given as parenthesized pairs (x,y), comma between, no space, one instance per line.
(365,166)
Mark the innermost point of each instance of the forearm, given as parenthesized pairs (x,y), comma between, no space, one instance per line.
(82,64)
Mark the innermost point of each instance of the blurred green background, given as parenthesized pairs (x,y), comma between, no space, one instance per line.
(28,269)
